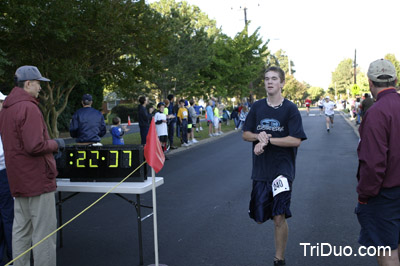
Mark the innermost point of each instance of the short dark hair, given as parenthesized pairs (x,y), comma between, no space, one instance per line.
(181,101)
(170,97)
(116,120)
(21,84)
(278,70)
(366,95)
(191,102)
(384,84)
(142,99)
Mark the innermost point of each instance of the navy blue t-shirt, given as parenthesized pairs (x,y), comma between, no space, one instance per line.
(280,122)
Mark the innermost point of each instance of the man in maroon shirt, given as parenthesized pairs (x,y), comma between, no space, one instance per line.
(378,189)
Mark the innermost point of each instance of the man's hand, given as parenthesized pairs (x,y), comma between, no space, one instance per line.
(263,137)
(259,148)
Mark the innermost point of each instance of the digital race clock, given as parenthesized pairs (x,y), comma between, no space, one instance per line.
(108,163)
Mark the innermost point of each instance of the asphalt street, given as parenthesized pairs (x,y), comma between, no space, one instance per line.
(202,209)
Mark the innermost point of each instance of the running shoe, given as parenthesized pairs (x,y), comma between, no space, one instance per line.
(279,262)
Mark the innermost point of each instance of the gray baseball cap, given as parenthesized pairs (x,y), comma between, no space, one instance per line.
(381,67)
(29,73)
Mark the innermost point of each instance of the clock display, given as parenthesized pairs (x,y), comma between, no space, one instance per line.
(102,163)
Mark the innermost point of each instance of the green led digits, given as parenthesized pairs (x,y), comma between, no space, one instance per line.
(115,165)
(81,159)
(100,159)
(126,162)
(96,159)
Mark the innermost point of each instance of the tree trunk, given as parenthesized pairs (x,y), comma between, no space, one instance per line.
(52,97)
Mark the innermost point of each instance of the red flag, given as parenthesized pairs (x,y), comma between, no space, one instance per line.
(152,150)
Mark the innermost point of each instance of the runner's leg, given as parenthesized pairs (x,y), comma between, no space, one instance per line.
(392,260)
(281,236)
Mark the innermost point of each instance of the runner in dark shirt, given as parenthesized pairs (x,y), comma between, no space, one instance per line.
(274,126)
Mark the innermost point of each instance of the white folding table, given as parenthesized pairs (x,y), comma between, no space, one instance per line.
(138,188)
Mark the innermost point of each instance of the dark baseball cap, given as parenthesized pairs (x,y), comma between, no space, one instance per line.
(25,73)
(87,97)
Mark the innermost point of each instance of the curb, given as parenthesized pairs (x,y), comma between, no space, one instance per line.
(351,124)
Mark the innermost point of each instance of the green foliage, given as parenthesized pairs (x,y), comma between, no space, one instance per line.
(396,63)
(362,82)
(343,76)
(191,35)
(123,111)
(237,65)
(315,93)
(294,90)
(71,41)
(283,60)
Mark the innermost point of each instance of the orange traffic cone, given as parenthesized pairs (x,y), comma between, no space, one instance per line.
(129,120)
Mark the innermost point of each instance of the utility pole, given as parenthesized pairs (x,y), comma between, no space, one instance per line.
(355,66)
(245,16)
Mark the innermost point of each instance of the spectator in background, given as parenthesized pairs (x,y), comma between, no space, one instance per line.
(166,102)
(6,205)
(144,118)
(242,116)
(161,125)
(193,115)
(235,117)
(118,131)
(178,125)
(198,109)
(172,121)
(87,124)
(31,169)
(210,117)
(183,116)
(358,110)
(217,120)
(366,104)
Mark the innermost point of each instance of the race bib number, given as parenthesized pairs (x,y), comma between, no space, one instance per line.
(280,184)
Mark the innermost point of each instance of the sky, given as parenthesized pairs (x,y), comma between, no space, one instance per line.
(316,34)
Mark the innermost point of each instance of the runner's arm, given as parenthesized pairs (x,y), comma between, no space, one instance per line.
(285,141)
(261,137)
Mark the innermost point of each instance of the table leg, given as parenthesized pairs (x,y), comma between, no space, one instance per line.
(139,220)
(60,218)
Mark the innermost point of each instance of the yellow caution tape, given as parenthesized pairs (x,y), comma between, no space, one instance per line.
(76,216)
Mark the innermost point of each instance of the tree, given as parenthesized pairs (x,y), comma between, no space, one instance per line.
(283,60)
(294,90)
(315,93)
(191,35)
(237,65)
(362,82)
(396,63)
(73,41)
(343,76)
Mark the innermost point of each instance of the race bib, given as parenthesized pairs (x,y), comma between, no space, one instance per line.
(280,184)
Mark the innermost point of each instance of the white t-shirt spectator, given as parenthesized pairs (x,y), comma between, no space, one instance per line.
(162,129)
